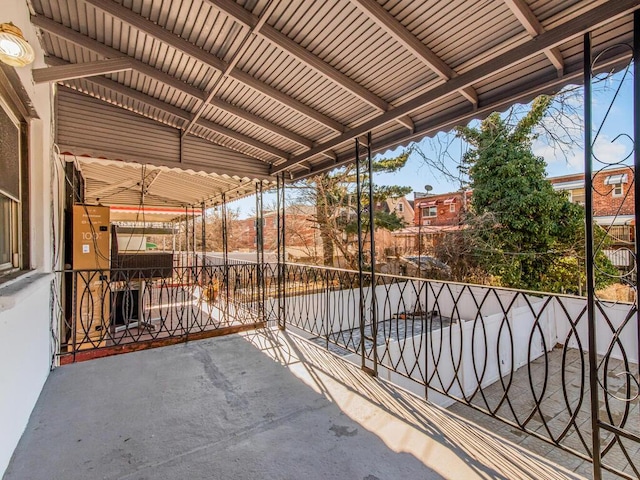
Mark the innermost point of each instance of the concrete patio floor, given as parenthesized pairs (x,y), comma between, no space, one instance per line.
(264,404)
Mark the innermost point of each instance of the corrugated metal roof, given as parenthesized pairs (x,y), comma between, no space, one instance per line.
(109,182)
(292,83)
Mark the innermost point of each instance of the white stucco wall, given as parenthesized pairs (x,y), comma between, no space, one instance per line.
(25,346)
(24,356)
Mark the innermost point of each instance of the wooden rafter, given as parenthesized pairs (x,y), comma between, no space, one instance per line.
(551,38)
(259,26)
(532,25)
(408,40)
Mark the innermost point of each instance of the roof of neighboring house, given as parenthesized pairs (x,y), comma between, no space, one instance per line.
(427,229)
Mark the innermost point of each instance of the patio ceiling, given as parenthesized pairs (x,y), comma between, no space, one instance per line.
(259,87)
(116,183)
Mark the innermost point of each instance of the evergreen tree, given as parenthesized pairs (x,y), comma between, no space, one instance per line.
(524,233)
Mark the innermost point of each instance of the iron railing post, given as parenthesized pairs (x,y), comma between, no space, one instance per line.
(372,250)
(360,255)
(589,256)
(225,254)
(636,159)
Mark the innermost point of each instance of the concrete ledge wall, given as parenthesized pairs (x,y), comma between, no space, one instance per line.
(24,356)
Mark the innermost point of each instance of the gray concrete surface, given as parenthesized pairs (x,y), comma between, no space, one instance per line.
(263,405)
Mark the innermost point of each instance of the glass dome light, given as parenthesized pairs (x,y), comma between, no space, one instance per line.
(14,49)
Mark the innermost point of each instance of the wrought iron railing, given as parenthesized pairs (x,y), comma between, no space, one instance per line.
(515,355)
(118,307)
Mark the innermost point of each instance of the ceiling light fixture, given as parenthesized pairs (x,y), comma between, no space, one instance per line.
(14,49)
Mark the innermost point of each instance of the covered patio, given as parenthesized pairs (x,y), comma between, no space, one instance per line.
(191,104)
(263,405)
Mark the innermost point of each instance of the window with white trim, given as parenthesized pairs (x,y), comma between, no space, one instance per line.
(11,194)
(617,190)
(576,195)
(616,182)
(452,207)
(429,212)
(400,207)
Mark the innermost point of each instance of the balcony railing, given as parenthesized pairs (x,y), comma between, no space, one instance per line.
(518,356)
(112,309)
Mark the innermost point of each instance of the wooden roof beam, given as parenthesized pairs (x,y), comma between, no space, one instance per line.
(80,70)
(277,38)
(147,26)
(532,25)
(408,40)
(592,19)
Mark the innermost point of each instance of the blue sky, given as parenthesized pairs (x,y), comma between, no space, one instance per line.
(610,147)
(612,102)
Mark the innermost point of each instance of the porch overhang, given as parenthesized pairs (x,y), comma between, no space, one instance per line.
(270,88)
(164,192)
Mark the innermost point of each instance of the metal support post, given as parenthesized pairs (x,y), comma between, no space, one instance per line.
(363,352)
(636,158)
(260,250)
(372,250)
(589,255)
(281,207)
(225,253)
(203,235)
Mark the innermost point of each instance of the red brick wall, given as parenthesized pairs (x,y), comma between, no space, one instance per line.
(445,216)
(604,203)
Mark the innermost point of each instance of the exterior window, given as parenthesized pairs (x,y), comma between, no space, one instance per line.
(429,212)
(8,232)
(452,207)
(617,190)
(11,194)
(400,207)
(577,196)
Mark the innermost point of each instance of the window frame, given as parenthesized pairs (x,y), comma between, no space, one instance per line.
(18,208)
(452,208)
(615,187)
(429,209)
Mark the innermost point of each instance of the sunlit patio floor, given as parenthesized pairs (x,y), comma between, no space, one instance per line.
(264,404)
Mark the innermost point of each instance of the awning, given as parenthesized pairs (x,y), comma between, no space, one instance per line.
(137,214)
(127,184)
(615,179)
(449,201)
(431,203)
(569,185)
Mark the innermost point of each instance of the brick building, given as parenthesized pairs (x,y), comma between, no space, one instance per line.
(613,207)
(443,209)
(302,237)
